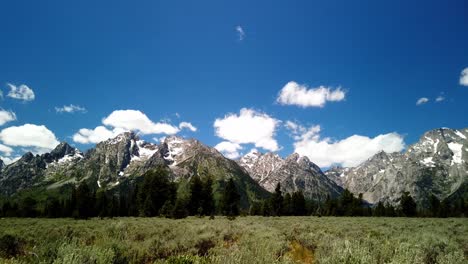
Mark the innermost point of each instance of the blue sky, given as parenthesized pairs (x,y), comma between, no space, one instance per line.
(186,61)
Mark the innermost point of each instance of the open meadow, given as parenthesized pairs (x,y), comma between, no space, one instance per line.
(243,240)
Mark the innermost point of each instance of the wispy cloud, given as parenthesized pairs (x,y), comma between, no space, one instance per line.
(464,77)
(6,116)
(440,98)
(422,100)
(240,33)
(70,109)
(21,92)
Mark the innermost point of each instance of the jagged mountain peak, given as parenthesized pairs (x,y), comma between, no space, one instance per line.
(63,149)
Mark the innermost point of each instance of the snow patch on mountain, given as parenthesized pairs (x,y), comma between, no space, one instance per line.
(457,152)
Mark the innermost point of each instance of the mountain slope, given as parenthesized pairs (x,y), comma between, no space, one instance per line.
(437,164)
(122,160)
(293,173)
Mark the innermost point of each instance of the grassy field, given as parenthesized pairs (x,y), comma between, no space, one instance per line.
(244,240)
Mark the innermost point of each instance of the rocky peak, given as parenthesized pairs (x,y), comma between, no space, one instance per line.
(63,149)
(27,157)
(293,158)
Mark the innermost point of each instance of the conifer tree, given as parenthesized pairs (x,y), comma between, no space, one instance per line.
(230,199)
(277,201)
(196,195)
(298,203)
(407,205)
(208,203)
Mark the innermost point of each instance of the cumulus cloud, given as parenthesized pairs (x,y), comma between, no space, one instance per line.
(38,137)
(70,109)
(100,133)
(295,94)
(347,152)
(22,92)
(135,120)
(127,120)
(6,116)
(464,77)
(422,100)
(440,98)
(240,33)
(188,126)
(249,126)
(229,149)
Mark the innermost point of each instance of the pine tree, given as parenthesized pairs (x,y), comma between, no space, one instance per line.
(27,207)
(298,203)
(277,201)
(52,208)
(84,201)
(101,203)
(266,208)
(230,199)
(255,208)
(287,205)
(155,190)
(196,195)
(379,209)
(208,203)
(434,206)
(407,205)
(180,209)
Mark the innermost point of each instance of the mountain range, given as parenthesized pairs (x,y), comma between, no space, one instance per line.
(436,165)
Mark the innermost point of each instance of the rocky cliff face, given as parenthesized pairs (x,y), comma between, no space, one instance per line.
(293,173)
(437,164)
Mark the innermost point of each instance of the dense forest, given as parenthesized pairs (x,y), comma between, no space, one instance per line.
(156,195)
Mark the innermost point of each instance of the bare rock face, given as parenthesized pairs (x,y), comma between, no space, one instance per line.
(293,173)
(437,164)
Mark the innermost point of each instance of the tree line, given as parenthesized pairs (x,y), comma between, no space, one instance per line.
(157,195)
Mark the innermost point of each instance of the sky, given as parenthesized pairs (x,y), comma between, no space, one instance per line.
(336,81)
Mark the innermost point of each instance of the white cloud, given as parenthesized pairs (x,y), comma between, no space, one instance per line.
(296,129)
(100,133)
(127,120)
(135,120)
(9,160)
(347,152)
(249,126)
(295,94)
(464,77)
(6,149)
(70,109)
(22,92)
(240,33)
(440,98)
(188,126)
(38,137)
(6,116)
(422,100)
(229,149)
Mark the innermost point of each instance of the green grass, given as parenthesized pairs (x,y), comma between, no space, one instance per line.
(244,240)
